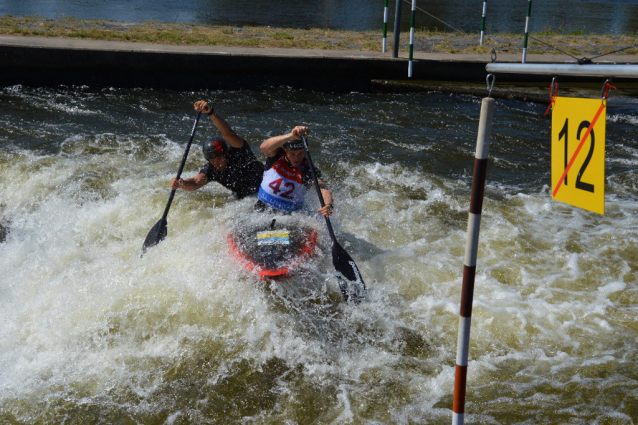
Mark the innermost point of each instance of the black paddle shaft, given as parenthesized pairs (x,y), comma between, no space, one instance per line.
(158,232)
(316,180)
(181,166)
(341,260)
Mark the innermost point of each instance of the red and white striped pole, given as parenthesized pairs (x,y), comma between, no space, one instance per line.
(471,249)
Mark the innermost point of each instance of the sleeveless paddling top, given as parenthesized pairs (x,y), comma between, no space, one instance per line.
(284,187)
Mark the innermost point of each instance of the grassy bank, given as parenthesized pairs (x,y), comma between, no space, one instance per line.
(246,36)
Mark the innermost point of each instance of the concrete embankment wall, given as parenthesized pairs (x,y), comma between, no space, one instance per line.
(38,61)
(44,62)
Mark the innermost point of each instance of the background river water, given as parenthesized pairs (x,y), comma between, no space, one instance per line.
(92,333)
(588,16)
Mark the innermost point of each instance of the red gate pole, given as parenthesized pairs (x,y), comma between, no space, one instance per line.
(471,248)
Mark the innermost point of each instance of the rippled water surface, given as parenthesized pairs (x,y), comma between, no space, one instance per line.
(588,16)
(92,333)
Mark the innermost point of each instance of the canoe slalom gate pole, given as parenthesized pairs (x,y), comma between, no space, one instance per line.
(483,23)
(476,201)
(411,38)
(385,26)
(397,28)
(529,12)
(471,249)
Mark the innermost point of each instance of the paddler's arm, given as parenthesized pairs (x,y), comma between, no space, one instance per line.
(269,146)
(327,209)
(224,128)
(191,184)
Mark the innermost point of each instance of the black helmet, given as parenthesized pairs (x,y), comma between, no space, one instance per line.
(214,147)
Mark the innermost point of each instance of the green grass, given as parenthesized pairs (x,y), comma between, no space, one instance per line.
(315,38)
(282,36)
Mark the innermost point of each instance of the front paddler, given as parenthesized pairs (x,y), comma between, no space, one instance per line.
(229,160)
(288,175)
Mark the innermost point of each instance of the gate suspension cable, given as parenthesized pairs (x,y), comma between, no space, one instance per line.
(583,60)
(615,51)
(434,17)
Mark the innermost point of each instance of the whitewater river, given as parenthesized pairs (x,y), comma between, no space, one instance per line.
(92,333)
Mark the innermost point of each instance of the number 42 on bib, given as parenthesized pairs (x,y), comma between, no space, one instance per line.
(578,153)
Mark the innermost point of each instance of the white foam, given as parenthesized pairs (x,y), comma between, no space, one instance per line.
(553,299)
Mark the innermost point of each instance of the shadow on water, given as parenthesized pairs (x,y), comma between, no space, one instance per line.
(364,249)
(313,302)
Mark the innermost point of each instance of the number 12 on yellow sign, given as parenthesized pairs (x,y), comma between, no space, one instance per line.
(578,152)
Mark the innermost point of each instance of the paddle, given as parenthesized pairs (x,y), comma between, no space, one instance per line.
(347,270)
(158,232)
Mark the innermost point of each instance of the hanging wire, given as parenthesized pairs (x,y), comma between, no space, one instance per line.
(434,17)
(615,51)
(553,47)
(581,61)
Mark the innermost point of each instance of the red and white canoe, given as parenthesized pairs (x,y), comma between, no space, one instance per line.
(272,247)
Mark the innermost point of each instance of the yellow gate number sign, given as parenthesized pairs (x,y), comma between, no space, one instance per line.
(578,152)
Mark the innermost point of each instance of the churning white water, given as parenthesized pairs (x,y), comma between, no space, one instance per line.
(91,332)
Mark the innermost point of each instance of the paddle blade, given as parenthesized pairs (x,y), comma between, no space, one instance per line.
(350,281)
(156,235)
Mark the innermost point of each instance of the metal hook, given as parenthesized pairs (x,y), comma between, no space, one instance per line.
(490,84)
(606,89)
(553,92)
(553,89)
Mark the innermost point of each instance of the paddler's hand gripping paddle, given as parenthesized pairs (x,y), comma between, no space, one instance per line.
(350,281)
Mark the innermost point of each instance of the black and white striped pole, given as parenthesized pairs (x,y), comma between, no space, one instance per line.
(471,249)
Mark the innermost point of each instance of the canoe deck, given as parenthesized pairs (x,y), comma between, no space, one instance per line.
(272,248)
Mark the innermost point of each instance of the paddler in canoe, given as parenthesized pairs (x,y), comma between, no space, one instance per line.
(229,160)
(288,175)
